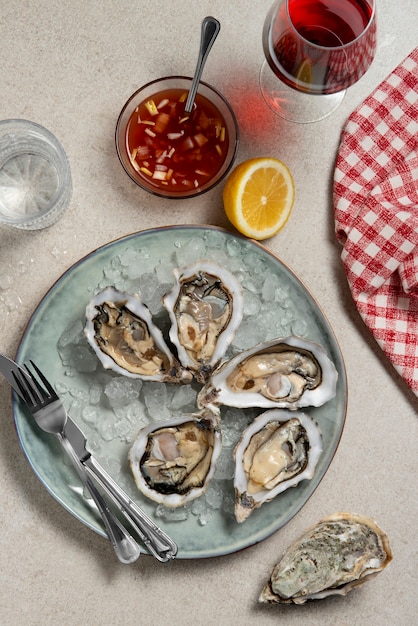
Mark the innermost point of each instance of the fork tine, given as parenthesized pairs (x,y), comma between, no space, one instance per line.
(25,389)
(46,382)
(35,386)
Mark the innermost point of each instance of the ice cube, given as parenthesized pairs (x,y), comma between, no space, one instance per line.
(90,415)
(214,495)
(225,466)
(206,516)
(155,398)
(81,358)
(249,333)
(171,515)
(184,397)
(270,285)
(134,263)
(164,273)
(121,391)
(233,247)
(299,327)
(195,248)
(95,393)
(252,304)
(73,332)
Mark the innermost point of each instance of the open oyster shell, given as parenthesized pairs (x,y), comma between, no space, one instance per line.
(205,308)
(276,451)
(120,330)
(339,553)
(173,461)
(286,373)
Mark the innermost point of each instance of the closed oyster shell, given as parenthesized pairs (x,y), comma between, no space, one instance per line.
(205,308)
(285,373)
(278,450)
(339,553)
(120,330)
(173,461)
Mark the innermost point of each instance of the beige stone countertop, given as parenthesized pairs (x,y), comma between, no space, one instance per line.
(70,66)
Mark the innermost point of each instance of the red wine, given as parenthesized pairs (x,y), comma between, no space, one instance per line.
(320,46)
(330,23)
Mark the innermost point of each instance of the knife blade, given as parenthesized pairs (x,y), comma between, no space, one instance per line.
(7,367)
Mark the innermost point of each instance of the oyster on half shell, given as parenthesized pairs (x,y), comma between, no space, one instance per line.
(205,308)
(276,451)
(173,461)
(286,373)
(120,330)
(339,553)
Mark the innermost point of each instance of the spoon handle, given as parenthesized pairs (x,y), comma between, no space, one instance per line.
(158,543)
(126,548)
(209,32)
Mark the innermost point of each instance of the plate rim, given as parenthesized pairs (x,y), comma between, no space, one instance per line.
(207,552)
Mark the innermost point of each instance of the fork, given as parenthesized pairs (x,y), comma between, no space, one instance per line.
(50,415)
(158,543)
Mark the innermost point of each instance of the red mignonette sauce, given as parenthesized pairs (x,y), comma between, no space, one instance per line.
(174,150)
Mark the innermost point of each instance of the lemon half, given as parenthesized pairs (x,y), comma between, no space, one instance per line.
(258,197)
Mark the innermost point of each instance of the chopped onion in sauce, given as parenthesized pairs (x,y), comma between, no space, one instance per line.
(168,147)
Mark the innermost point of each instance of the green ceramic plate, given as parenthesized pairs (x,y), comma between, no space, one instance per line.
(277,304)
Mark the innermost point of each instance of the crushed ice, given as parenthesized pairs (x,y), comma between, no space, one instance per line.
(112,408)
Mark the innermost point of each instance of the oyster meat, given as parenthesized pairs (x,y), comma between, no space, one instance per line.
(341,552)
(120,330)
(284,373)
(172,462)
(276,451)
(205,307)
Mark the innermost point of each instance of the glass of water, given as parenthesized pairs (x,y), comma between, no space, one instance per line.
(35,176)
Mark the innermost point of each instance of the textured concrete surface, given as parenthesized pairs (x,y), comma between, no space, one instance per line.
(70,67)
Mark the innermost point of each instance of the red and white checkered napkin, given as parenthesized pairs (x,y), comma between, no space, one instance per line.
(376,214)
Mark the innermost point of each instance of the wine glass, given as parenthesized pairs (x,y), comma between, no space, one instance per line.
(315,47)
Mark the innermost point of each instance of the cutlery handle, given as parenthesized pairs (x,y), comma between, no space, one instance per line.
(126,548)
(155,539)
(209,31)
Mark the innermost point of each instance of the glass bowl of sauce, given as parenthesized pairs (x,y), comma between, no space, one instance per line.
(171,153)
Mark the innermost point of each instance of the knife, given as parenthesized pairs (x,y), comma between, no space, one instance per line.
(157,542)
(7,367)
(154,538)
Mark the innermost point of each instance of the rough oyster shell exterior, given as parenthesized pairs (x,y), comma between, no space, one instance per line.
(339,553)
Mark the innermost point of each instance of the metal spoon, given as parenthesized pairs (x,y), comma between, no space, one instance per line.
(209,32)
